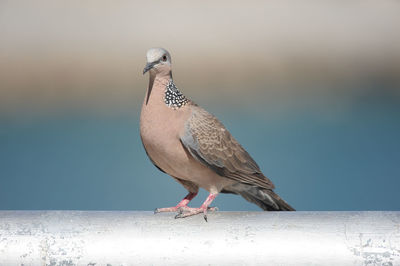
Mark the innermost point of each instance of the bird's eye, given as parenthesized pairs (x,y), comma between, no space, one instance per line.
(164,58)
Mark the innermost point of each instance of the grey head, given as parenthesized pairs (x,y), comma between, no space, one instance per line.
(158,60)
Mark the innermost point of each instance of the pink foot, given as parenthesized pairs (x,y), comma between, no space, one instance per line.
(181,204)
(186,211)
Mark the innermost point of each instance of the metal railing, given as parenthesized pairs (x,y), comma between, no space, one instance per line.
(228,238)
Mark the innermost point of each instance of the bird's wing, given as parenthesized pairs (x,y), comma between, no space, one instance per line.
(208,141)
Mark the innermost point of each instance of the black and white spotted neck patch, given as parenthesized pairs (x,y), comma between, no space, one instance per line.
(173,97)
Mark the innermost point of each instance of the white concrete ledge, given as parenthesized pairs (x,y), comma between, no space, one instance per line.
(229,238)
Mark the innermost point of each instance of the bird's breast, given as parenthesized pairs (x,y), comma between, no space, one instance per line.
(160,130)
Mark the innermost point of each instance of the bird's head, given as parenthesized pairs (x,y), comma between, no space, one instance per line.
(158,61)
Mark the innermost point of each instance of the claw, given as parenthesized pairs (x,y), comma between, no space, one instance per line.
(214,209)
(205,217)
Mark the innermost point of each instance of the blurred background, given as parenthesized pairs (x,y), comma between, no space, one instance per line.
(310,88)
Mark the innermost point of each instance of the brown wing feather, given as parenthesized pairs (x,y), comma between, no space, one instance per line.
(207,140)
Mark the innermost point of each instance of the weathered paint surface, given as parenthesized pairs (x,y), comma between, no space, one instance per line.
(229,238)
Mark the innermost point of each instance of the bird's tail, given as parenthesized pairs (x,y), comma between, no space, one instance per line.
(266,199)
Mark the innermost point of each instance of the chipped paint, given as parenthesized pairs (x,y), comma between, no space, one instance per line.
(229,238)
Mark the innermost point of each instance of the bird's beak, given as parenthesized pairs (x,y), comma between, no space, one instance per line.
(148,67)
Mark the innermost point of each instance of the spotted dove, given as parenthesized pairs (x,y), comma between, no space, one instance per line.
(193,146)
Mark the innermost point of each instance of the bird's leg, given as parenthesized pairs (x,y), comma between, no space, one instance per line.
(203,208)
(183,203)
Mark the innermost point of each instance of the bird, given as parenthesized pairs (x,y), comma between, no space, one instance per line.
(191,145)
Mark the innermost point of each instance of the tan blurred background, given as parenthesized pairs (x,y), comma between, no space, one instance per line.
(90,54)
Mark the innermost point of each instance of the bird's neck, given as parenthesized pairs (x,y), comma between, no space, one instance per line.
(173,98)
(162,88)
